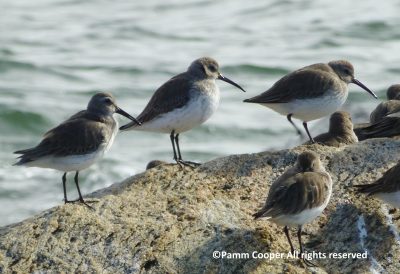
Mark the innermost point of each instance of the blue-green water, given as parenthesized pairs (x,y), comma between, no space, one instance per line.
(55,54)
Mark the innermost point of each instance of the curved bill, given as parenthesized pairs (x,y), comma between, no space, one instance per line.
(123,113)
(223,78)
(358,83)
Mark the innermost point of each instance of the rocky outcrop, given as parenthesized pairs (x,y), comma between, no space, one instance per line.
(171,220)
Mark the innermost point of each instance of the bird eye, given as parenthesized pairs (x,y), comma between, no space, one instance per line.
(107,101)
(212,68)
(347,71)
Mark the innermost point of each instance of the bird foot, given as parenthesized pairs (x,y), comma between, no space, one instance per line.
(81,201)
(183,163)
(309,263)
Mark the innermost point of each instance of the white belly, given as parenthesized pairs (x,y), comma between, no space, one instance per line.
(198,110)
(311,109)
(301,218)
(67,163)
(391,198)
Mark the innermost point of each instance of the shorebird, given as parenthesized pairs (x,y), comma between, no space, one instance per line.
(78,142)
(388,126)
(298,196)
(183,102)
(393,92)
(386,188)
(387,107)
(340,131)
(311,92)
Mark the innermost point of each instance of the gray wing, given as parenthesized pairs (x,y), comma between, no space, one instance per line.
(73,137)
(302,191)
(309,79)
(171,95)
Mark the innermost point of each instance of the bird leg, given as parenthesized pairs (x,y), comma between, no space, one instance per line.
(171,136)
(180,160)
(286,230)
(308,133)
(289,117)
(306,261)
(80,199)
(64,179)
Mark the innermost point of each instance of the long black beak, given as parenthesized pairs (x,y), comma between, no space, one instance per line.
(123,113)
(358,83)
(223,78)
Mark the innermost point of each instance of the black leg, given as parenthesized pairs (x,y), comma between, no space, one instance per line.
(77,186)
(180,160)
(177,146)
(289,117)
(306,261)
(173,144)
(286,230)
(64,179)
(79,191)
(308,133)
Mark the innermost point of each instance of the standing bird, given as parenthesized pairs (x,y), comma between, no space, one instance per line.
(311,92)
(298,196)
(387,107)
(386,188)
(78,142)
(340,131)
(183,102)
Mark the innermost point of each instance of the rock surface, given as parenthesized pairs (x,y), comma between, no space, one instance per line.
(171,220)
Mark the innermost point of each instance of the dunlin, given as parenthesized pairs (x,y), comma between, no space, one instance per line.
(185,101)
(388,126)
(298,196)
(340,131)
(393,92)
(386,188)
(387,107)
(78,142)
(311,92)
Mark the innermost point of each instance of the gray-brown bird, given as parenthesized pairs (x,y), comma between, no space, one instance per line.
(182,103)
(298,196)
(311,92)
(340,131)
(78,142)
(387,107)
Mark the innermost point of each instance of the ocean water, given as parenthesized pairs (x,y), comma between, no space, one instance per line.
(55,54)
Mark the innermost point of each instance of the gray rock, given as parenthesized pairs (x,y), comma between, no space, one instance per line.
(170,219)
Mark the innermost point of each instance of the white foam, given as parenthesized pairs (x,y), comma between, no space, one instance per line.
(392,226)
(362,234)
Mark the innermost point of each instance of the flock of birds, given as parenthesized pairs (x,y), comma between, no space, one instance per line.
(188,99)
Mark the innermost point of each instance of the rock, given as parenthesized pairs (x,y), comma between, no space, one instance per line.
(170,219)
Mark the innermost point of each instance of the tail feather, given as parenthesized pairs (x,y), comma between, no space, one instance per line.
(368,189)
(262,213)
